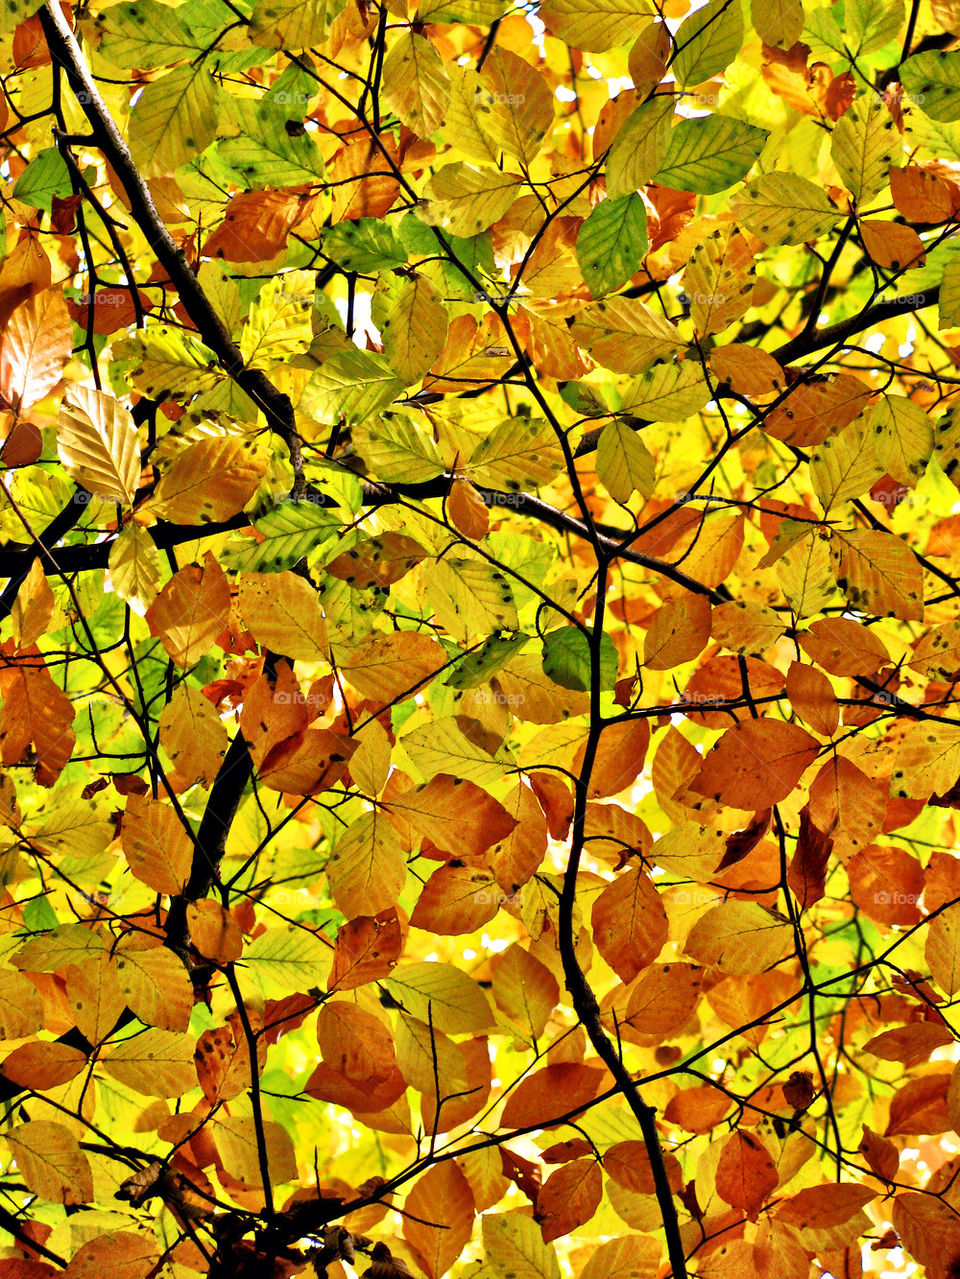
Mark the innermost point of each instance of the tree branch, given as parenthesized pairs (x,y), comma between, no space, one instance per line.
(837,334)
(274,405)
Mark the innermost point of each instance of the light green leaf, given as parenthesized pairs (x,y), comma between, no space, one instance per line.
(43,178)
(286,959)
(353,385)
(292,24)
(367,245)
(464,201)
(470,597)
(904,438)
(612,242)
(638,150)
(288,533)
(667,392)
(870,24)
(264,153)
(784,208)
(710,154)
(144,34)
(933,81)
(624,463)
(708,41)
(950,295)
(173,120)
(865,143)
(442,995)
(395,449)
(777,22)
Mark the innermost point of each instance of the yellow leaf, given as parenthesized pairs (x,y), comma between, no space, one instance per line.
(282,612)
(624,463)
(191,611)
(33,607)
(159,850)
(415,330)
(186,495)
(193,735)
(50,1161)
(97,443)
(415,84)
(156,1063)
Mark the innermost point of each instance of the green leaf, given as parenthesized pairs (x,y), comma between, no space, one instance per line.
(264,153)
(612,242)
(784,208)
(367,245)
(352,384)
(708,41)
(566,659)
(710,154)
(289,532)
(173,119)
(479,667)
(933,81)
(865,143)
(43,178)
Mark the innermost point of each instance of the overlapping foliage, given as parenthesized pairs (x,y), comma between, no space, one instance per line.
(477,701)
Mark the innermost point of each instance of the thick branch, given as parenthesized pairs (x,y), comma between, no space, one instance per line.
(15,560)
(837,334)
(274,405)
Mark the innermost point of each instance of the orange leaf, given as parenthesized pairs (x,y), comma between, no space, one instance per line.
(547,1094)
(366,949)
(629,923)
(43,1065)
(191,611)
(438,1217)
(457,899)
(255,226)
(36,345)
(756,763)
(746,1173)
(569,1197)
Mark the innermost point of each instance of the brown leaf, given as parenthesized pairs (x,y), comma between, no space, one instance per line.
(807,875)
(366,949)
(569,1198)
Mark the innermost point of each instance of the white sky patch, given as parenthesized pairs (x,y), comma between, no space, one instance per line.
(874,343)
(363,326)
(906,348)
(564,94)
